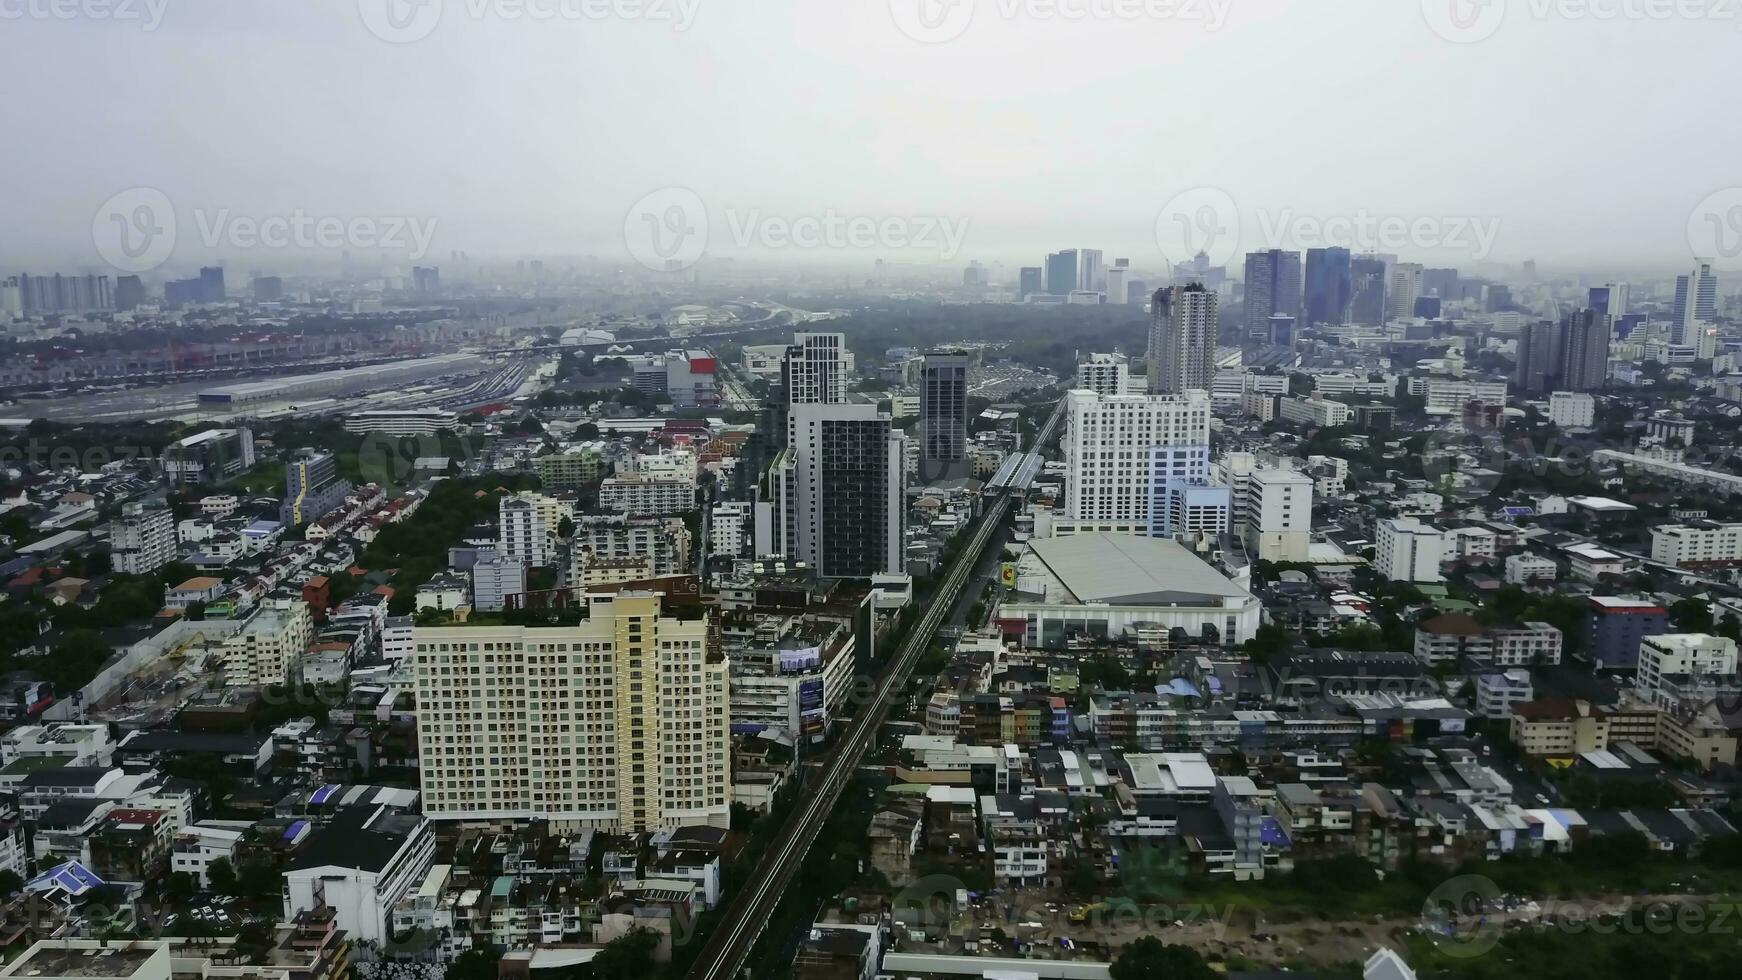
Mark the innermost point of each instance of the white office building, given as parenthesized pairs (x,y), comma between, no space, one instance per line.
(1279,515)
(143,540)
(1706,543)
(494,579)
(1122,452)
(1409,551)
(360,865)
(1679,670)
(1572,409)
(729,529)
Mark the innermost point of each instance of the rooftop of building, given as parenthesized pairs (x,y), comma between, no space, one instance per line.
(1122,570)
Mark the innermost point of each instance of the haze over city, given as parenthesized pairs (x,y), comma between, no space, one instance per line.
(1588,135)
(870,489)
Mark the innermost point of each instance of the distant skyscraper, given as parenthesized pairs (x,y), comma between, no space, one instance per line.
(1402,287)
(1091,270)
(1610,299)
(1116,284)
(1182,339)
(1696,302)
(268,289)
(1328,287)
(1136,292)
(39,295)
(1539,357)
(426,280)
(1585,346)
(1571,354)
(129,293)
(1061,272)
(1496,298)
(943,416)
(815,369)
(1272,288)
(1442,283)
(1031,280)
(212,284)
(1367,291)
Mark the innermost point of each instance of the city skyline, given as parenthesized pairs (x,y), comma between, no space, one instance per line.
(522,181)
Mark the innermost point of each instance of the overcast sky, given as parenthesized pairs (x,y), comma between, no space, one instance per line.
(1582,142)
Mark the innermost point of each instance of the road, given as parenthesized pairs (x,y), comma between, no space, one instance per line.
(752,907)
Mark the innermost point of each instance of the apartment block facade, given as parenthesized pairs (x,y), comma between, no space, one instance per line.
(619,723)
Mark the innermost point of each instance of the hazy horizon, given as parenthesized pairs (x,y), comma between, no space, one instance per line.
(866,131)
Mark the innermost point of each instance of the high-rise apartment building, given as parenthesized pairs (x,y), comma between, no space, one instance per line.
(1328,287)
(1569,355)
(39,295)
(527,525)
(312,487)
(1104,374)
(618,724)
(1585,351)
(1273,288)
(943,416)
(143,540)
(1406,550)
(1123,453)
(815,369)
(1182,340)
(838,491)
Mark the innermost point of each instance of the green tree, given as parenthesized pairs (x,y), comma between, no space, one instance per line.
(221,875)
(1151,959)
(477,963)
(178,888)
(10,883)
(1691,616)
(628,957)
